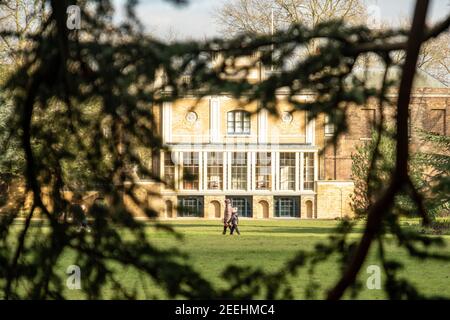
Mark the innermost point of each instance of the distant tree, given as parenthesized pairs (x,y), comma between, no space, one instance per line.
(12,159)
(361,162)
(19,18)
(263,17)
(255,16)
(434,56)
(367,187)
(436,173)
(429,171)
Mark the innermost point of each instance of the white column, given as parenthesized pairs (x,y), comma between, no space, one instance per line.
(200,173)
(253,171)
(180,161)
(214,120)
(229,170)
(302,170)
(161,165)
(277,171)
(316,167)
(273,169)
(249,170)
(177,169)
(167,122)
(262,126)
(205,170)
(297,171)
(224,170)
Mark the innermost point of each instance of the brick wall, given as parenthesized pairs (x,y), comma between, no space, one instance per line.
(429,110)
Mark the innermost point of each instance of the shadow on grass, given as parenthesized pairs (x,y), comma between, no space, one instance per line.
(265,229)
(299,230)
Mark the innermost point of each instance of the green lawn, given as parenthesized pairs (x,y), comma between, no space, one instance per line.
(269,244)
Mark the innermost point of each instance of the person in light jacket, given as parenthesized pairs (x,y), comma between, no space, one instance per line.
(227,215)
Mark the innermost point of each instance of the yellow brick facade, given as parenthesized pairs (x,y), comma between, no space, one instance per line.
(186,126)
(334,199)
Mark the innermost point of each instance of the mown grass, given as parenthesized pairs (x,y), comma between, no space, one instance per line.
(268,245)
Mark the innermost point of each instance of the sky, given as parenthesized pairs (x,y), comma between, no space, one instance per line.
(196,20)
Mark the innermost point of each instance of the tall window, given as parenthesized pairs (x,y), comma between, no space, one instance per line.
(215,170)
(169,169)
(369,121)
(308,171)
(239,170)
(238,122)
(156,162)
(287,171)
(263,170)
(287,207)
(436,121)
(190,206)
(190,170)
(329,125)
(409,125)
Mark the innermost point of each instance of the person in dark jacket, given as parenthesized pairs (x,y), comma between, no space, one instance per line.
(99,213)
(234,221)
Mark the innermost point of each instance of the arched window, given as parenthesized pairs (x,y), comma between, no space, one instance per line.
(330,126)
(309,209)
(169,209)
(238,122)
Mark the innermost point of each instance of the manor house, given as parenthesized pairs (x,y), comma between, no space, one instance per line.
(269,166)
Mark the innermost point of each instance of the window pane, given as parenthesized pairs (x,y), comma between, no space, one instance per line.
(287,207)
(238,122)
(246,122)
(169,170)
(263,170)
(238,127)
(215,170)
(190,170)
(239,170)
(329,125)
(308,174)
(369,121)
(287,171)
(190,206)
(230,122)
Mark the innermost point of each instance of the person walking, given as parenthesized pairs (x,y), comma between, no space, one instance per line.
(227,215)
(234,221)
(77,210)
